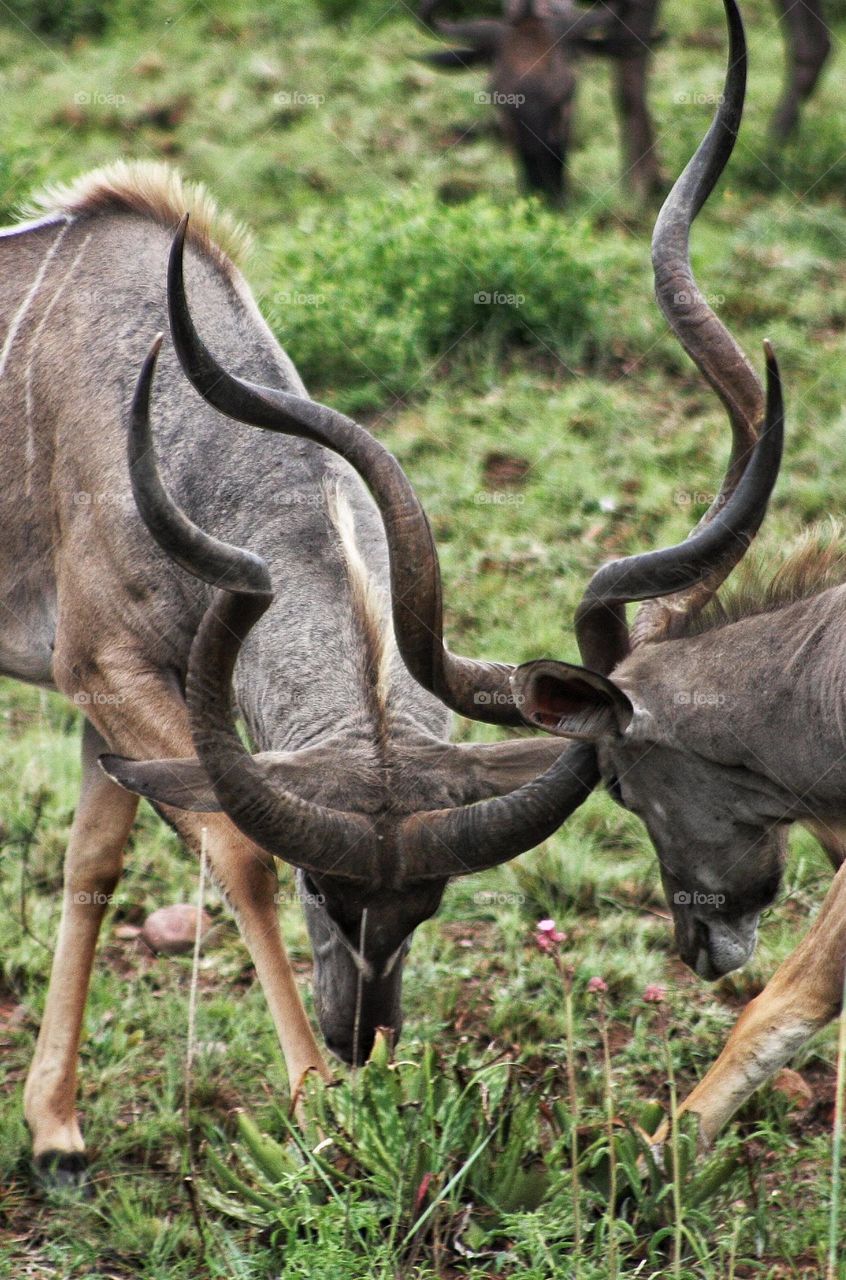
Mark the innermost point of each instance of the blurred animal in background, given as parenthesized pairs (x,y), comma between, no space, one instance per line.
(534,49)
(533,52)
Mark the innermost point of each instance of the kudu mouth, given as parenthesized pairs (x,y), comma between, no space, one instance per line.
(712,947)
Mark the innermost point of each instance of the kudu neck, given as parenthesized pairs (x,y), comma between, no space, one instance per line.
(315,693)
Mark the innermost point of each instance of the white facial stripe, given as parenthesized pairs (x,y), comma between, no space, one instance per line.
(365,966)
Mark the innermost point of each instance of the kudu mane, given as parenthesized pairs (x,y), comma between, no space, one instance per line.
(150,190)
(815,563)
(371,618)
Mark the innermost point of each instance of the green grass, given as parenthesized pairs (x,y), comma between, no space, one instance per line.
(354,166)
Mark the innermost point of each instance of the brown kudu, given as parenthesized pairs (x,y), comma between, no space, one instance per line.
(353,781)
(533,52)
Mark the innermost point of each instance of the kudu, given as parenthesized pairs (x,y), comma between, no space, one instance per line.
(717,785)
(354,782)
(533,52)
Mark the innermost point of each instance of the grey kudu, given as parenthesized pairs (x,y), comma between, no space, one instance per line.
(709,795)
(354,781)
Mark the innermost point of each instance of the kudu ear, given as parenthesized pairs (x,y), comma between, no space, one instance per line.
(183,784)
(479,40)
(570,701)
(454,59)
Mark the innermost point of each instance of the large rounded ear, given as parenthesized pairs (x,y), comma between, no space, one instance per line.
(570,701)
(183,784)
(479,42)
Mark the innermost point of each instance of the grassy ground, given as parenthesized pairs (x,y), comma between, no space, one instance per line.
(542,437)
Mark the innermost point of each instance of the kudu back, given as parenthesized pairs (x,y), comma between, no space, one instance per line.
(353,780)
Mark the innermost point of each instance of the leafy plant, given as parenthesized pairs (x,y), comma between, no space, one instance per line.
(407,1151)
(371,302)
(423,1142)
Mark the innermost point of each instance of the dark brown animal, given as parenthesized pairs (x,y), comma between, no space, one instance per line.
(533,54)
(534,50)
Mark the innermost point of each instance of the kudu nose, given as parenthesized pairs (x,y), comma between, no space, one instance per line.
(352,1050)
(723,945)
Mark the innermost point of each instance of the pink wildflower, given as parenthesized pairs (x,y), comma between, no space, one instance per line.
(546,933)
(654,994)
(597,985)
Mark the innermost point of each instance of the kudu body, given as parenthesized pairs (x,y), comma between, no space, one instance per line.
(719,734)
(352,749)
(534,50)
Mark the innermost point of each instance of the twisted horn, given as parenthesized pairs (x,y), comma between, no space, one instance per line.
(471,837)
(327,841)
(480,690)
(691,572)
(303,833)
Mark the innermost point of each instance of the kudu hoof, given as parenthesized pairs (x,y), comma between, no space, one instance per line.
(65,1171)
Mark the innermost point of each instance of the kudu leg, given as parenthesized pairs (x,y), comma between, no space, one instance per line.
(808,44)
(642,170)
(248,877)
(804,994)
(157,729)
(93,864)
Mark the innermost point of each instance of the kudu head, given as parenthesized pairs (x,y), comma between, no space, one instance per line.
(533,53)
(372,860)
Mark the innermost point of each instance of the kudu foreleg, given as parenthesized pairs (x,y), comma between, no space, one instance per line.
(808,44)
(248,877)
(158,729)
(642,170)
(93,864)
(803,995)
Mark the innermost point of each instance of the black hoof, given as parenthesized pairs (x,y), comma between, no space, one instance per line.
(64,1171)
